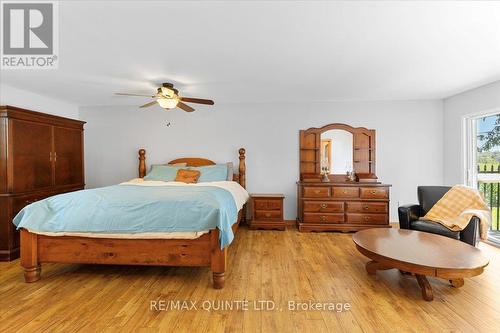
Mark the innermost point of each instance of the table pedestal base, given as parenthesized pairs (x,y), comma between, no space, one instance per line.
(425,286)
(457,283)
(373,266)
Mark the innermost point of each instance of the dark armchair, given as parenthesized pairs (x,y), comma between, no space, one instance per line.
(409,216)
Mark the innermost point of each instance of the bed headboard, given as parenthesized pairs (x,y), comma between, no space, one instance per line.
(240,177)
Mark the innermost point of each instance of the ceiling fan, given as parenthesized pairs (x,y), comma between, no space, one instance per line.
(168,98)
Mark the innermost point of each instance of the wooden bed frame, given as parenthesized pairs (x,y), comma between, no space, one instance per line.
(204,251)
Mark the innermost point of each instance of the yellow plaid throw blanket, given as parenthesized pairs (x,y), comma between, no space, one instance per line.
(455,209)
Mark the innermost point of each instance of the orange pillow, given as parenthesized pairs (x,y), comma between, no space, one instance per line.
(187,176)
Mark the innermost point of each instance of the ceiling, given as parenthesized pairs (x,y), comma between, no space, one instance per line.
(270,51)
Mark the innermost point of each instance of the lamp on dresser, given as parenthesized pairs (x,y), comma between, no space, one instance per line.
(350,197)
(40,155)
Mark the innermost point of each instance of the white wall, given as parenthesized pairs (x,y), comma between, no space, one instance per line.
(24,99)
(479,100)
(409,141)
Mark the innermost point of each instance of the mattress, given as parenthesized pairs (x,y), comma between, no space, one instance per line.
(139,209)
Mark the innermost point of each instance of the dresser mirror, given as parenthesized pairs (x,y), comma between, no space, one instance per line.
(334,150)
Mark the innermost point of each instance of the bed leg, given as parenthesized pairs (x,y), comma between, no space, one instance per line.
(217,260)
(218,280)
(32,274)
(29,256)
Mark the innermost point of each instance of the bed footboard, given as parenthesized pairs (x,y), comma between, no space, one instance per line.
(204,251)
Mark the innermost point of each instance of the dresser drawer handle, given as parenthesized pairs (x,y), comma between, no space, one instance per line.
(267,214)
(373,192)
(324,205)
(366,207)
(367,218)
(344,191)
(322,218)
(317,191)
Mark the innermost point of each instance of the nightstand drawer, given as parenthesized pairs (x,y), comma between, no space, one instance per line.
(260,204)
(345,192)
(323,206)
(274,204)
(323,218)
(374,192)
(267,214)
(367,218)
(366,207)
(316,192)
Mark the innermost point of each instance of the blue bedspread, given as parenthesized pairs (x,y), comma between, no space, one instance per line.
(129,209)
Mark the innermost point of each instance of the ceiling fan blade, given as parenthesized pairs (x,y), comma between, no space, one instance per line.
(148,104)
(125,94)
(185,107)
(197,100)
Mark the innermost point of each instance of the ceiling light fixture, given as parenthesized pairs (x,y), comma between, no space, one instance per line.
(168,98)
(167,92)
(168,103)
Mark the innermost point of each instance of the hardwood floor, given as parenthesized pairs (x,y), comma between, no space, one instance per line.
(263,265)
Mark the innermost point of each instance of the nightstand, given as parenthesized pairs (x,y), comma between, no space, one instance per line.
(267,211)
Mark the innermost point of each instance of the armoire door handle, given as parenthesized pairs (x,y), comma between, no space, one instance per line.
(55,157)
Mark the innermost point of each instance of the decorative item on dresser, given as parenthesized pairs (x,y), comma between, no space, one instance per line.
(40,155)
(349,198)
(267,211)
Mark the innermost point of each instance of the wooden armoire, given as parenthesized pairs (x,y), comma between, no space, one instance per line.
(40,155)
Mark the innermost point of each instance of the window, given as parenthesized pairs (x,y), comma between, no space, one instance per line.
(483,163)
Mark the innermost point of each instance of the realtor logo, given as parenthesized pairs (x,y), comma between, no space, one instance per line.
(29,35)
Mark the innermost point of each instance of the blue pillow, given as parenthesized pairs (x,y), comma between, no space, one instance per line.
(165,173)
(212,173)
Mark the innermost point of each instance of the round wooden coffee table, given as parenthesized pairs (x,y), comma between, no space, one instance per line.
(421,253)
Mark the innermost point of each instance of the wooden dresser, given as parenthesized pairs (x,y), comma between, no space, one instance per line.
(40,155)
(338,187)
(342,206)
